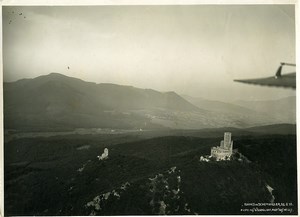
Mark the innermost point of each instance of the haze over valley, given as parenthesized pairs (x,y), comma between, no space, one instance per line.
(133,110)
(66,103)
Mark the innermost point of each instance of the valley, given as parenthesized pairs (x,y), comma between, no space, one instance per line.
(67,103)
(130,109)
(73,147)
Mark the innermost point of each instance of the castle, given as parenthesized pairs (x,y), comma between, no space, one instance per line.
(224,151)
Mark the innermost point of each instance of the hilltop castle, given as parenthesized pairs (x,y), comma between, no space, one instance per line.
(223,151)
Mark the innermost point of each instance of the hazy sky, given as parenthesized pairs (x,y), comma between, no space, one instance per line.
(195,50)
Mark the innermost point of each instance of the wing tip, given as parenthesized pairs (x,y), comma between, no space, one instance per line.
(268,85)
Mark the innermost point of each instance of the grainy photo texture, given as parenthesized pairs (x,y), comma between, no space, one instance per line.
(149,110)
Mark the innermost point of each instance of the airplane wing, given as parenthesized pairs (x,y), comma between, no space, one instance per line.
(287,81)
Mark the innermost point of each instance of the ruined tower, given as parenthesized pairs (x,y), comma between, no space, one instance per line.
(227,141)
(225,149)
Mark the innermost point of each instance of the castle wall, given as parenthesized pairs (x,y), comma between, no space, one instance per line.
(225,149)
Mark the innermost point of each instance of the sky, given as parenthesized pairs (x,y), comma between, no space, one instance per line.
(194,50)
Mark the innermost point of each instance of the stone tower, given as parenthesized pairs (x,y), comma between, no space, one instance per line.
(227,140)
(224,151)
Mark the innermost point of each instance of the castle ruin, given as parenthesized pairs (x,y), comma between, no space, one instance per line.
(224,151)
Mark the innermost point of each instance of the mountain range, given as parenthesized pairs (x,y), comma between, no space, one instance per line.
(56,102)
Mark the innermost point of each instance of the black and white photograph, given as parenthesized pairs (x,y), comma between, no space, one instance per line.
(149,109)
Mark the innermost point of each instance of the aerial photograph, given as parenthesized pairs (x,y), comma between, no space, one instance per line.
(149,110)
